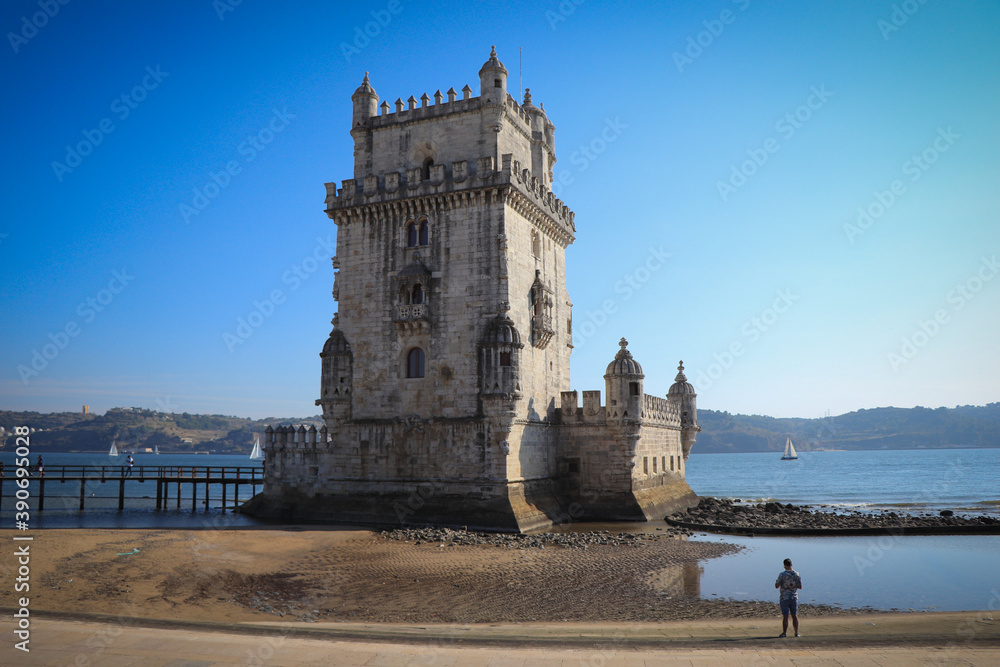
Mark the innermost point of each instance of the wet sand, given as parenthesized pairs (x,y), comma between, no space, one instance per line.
(357,575)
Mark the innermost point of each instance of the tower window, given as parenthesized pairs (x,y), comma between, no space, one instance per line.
(497,83)
(415,363)
(418,294)
(411,234)
(633,388)
(536,245)
(426,173)
(505,358)
(422,236)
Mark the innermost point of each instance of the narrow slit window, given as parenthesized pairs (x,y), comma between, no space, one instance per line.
(415,363)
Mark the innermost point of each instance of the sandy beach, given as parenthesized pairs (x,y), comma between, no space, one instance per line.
(357,575)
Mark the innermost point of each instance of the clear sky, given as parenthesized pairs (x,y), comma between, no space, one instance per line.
(800,200)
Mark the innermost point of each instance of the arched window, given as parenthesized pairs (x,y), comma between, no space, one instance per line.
(415,363)
(418,294)
(426,173)
(422,238)
(411,234)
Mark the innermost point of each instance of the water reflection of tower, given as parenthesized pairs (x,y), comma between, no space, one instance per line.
(682,580)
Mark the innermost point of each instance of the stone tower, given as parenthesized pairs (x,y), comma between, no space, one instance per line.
(452,338)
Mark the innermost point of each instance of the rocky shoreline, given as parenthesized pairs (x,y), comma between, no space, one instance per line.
(463,537)
(734,517)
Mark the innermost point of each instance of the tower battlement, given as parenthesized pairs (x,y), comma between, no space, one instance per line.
(410,111)
(456,178)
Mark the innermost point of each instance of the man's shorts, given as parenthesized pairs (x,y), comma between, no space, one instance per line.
(789,607)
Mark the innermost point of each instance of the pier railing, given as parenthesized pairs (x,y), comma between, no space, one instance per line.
(164,477)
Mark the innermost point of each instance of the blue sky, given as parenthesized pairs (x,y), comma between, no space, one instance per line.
(821,178)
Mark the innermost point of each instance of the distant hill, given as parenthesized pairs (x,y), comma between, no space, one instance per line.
(138,429)
(878,428)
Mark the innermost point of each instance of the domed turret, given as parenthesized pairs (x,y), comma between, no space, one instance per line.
(624,364)
(502,331)
(681,384)
(623,383)
(337,377)
(493,79)
(365,101)
(500,356)
(682,394)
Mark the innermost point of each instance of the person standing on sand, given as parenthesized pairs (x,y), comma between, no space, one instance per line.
(789,582)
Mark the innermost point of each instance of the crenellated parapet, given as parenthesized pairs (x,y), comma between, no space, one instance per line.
(287,437)
(460,183)
(656,410)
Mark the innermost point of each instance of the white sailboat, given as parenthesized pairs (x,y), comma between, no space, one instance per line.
(156,449)
(114,449)
(789,454)
(256,454)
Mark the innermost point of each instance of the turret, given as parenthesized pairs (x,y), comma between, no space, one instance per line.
(365,101)
(365,105)
(539,150)
(682,394)
(623,386)
(336,378)
(493,80)
(500,357)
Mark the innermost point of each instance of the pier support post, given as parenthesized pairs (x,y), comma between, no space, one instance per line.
(41,493)
(223,497)
(83,488)
(194,496)
(159,492)
(121,494)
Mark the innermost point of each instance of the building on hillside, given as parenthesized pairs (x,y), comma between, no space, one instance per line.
(444,380)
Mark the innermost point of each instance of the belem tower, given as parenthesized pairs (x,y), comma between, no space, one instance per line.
(444,380)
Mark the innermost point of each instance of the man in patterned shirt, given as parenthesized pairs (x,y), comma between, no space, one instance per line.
(789,582)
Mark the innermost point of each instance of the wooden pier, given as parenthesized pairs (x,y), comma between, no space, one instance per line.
(164,477)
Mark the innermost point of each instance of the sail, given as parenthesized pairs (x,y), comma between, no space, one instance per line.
(256,454)
(789,450)
(114,449)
